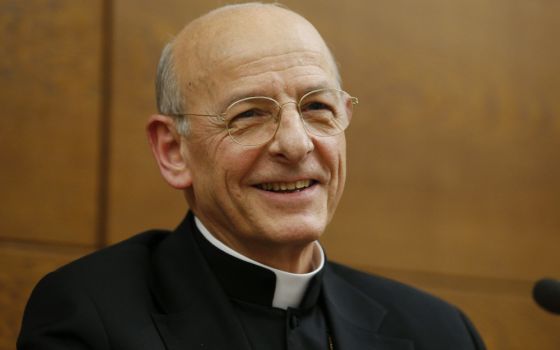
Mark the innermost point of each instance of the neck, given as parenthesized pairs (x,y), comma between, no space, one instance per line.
(294,258)
(289,259)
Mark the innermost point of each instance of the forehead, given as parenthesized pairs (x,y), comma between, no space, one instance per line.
(273,75)
(251,45)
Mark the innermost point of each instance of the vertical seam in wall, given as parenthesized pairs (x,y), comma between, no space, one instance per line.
(106,82)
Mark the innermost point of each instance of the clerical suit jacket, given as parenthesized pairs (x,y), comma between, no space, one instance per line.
(155,291)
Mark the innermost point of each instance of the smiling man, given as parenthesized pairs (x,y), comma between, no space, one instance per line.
(252,169)
(251,129)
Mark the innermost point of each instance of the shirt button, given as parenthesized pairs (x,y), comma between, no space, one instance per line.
(294,321)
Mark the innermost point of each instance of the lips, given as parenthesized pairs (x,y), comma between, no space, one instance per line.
(294,186)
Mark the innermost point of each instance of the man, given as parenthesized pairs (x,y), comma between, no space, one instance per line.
(251,128)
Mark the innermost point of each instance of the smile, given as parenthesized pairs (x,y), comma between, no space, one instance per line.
(286,186)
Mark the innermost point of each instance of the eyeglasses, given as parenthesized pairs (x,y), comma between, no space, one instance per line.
(253,121)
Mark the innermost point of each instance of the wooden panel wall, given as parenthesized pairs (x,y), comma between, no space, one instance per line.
(50,66)
(50,102)
(453,152)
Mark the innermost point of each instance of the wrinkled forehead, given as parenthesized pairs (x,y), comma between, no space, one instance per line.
(242,31)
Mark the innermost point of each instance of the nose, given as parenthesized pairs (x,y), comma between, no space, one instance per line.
(291,143)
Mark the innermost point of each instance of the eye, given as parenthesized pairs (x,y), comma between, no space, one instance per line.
(254,108)
(251,113)
(248,118)
(315,106)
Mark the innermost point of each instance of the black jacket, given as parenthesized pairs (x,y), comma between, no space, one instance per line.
(155,291)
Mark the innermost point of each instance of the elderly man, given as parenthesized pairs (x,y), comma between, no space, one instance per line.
(251,128)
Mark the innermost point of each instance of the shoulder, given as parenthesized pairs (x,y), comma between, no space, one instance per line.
(83,297)
(118,260)
(75,306)
(390,293)
(411,312)
(113,270)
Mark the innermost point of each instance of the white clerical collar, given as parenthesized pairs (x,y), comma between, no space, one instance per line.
(290,287)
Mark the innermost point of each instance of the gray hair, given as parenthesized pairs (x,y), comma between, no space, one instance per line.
(169,97)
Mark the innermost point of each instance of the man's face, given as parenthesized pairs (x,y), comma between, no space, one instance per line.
(235,188)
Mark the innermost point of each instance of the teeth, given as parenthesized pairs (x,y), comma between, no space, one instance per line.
(285,186)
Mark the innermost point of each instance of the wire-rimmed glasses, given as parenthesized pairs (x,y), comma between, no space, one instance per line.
(253,121)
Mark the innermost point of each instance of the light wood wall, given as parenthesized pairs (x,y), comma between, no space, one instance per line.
(454,154)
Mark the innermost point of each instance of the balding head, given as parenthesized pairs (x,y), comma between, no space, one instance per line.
(231,33)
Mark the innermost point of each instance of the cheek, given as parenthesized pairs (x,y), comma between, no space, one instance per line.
(235,164)
(334,156)
(203,159)
(333,152)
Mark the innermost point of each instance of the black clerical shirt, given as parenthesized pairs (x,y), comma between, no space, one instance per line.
(251,289)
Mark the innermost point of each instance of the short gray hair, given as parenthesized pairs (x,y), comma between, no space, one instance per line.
(169,95)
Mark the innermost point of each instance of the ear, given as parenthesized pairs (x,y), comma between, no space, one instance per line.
(165,142)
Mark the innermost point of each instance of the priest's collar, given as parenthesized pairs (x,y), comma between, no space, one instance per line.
(251,281)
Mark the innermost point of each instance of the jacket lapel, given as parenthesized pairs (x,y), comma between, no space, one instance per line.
(195,312)
(355,318)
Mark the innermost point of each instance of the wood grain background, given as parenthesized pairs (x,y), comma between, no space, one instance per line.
(454,160)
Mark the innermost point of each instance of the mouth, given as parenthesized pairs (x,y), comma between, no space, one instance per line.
(286,187)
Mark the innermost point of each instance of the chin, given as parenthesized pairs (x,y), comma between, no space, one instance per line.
(297,233)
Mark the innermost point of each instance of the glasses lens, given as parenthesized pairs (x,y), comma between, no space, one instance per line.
(251,121)
(326,112)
